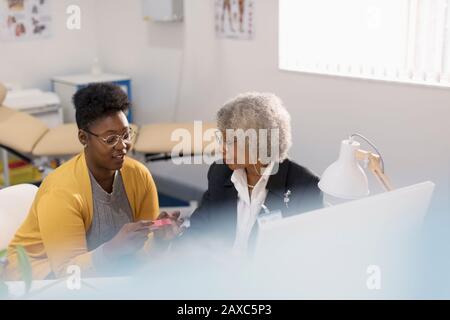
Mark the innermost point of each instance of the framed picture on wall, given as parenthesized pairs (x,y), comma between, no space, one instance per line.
(24,19)
(234,19)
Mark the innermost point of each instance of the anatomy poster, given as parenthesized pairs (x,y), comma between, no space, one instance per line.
(24,19)
(234,19)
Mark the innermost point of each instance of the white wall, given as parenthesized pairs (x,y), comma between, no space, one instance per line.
(408,123)
(149,52)
(32,63)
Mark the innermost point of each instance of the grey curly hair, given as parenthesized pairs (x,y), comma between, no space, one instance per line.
(255,110)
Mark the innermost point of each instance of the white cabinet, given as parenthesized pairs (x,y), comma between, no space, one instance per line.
(163,10)
(66,86)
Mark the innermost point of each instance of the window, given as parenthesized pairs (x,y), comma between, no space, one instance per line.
(395,40)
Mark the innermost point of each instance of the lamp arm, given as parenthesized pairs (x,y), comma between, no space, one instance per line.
(372,145)
(374,164)
(382,178)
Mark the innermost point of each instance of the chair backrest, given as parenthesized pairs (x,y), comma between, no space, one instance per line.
(15,202)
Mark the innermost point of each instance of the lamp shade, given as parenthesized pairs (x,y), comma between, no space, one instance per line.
(345,178)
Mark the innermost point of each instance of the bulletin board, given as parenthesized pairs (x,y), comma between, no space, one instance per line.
(24,19)
(234,19)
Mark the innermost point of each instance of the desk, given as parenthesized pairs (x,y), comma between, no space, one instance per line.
(91,288)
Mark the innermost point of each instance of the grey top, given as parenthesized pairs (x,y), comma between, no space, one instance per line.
(111,212)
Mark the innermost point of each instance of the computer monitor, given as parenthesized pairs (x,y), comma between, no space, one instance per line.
(365,248)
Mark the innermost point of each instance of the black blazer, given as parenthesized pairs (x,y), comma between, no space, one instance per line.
(216,215)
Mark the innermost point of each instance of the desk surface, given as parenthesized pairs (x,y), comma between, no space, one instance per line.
(90,288)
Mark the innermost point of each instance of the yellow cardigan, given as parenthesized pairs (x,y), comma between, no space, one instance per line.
(54,232)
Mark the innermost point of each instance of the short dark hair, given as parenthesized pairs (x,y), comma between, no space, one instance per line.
(98,100)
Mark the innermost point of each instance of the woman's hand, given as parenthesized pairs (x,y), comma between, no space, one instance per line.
(171,231)
(128,240)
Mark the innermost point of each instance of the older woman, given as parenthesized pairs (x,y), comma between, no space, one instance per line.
(254,180)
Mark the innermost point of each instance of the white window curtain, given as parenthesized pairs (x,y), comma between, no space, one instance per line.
(395,40)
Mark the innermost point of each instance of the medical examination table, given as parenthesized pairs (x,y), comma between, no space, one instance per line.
(31,140)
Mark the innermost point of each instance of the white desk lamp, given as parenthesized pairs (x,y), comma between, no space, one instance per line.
(345,178)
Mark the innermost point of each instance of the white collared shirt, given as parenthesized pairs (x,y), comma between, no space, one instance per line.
(248,207)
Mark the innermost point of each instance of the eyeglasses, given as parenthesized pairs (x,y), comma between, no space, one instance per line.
(113,139)
(220,139)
